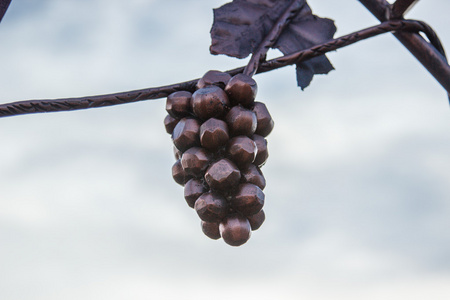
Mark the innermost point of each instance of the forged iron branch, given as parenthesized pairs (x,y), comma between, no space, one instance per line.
(68,104)
(428,55)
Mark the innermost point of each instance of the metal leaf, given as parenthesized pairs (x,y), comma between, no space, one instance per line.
(241,25)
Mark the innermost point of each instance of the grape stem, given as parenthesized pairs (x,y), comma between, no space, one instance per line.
(260,54)
(68,104)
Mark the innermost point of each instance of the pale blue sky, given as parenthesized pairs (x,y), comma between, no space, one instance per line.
(357,197)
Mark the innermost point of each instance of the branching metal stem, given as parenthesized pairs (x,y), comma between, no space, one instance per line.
(68,104)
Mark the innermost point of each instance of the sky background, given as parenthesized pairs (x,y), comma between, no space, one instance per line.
(358,178)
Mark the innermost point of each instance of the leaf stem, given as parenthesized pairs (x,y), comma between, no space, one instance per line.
(260,54)
(68,104)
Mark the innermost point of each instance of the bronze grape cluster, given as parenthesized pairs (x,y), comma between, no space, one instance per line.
(219,142)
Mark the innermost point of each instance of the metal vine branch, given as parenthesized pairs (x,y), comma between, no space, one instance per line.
(431,54)
(431,59)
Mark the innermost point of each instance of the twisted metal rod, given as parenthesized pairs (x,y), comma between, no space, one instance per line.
(68,104)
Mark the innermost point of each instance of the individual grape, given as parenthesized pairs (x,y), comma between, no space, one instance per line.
(241,89)
(252,174)
(235,230)
(222,175)
(195,161)
(193,189)
(265,121)
(211,230)
(214,134)
(178,174)
(170,123)
(186,134)
(210,102)
(241,121)
(263,153)
(211,207)
(178,104)
(213,77)
(249,199)
(177,153)
(257,219)
(241,150)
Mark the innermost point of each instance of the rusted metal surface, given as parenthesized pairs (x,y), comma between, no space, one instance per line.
(427,54)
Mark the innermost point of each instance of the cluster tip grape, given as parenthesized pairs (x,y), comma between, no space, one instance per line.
(219,135)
